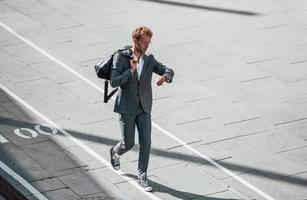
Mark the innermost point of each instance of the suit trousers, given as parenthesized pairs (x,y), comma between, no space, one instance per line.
(128,122)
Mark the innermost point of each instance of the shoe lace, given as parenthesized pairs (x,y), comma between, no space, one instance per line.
(144,183)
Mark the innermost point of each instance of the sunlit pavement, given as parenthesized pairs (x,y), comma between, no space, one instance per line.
(232,125)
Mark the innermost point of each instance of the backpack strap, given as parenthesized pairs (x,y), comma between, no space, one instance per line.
(107,96)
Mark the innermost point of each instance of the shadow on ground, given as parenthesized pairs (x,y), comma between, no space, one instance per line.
(158,187)
(201,7)
(40,161)
(268,174)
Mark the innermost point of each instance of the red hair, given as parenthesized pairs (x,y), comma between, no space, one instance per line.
(142,30)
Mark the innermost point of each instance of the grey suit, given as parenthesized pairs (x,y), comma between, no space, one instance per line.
(134,103)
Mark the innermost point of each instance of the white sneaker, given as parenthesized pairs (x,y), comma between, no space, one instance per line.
(115,159)
(145,185)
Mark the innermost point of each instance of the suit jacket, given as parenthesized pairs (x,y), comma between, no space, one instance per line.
(131,90)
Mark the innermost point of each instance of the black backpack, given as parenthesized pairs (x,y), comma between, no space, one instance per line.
(103,70)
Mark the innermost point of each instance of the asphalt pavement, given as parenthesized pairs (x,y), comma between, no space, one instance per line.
(232,125)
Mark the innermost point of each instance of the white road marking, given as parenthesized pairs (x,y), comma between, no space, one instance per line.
(3,139)
(40,50)
(32,132)
(38,129)
(22,181)
(76,141)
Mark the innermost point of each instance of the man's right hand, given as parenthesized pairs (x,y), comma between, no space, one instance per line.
(133,64)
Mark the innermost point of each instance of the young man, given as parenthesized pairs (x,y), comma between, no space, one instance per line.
(134,100)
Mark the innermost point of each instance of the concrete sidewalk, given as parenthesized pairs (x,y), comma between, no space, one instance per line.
(239,97)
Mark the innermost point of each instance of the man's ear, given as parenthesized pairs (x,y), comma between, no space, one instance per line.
(134,40)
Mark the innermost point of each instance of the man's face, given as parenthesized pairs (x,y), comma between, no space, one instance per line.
(143,43)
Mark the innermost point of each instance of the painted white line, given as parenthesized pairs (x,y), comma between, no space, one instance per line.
(48,55)
(3,139)
(217,165)
(242,181)
(22,181)
(76,141)
(38,129)
(32,132)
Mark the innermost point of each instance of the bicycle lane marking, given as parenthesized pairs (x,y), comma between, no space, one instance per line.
(217,165)
(22,181)
(3,139)
(76,141)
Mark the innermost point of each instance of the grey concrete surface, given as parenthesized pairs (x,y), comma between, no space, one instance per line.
(239,96)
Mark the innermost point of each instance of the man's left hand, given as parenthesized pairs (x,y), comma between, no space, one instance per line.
(161,80)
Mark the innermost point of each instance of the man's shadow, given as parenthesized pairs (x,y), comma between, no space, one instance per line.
(157,187)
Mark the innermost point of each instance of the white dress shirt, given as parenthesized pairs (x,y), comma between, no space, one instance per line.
(139,67)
